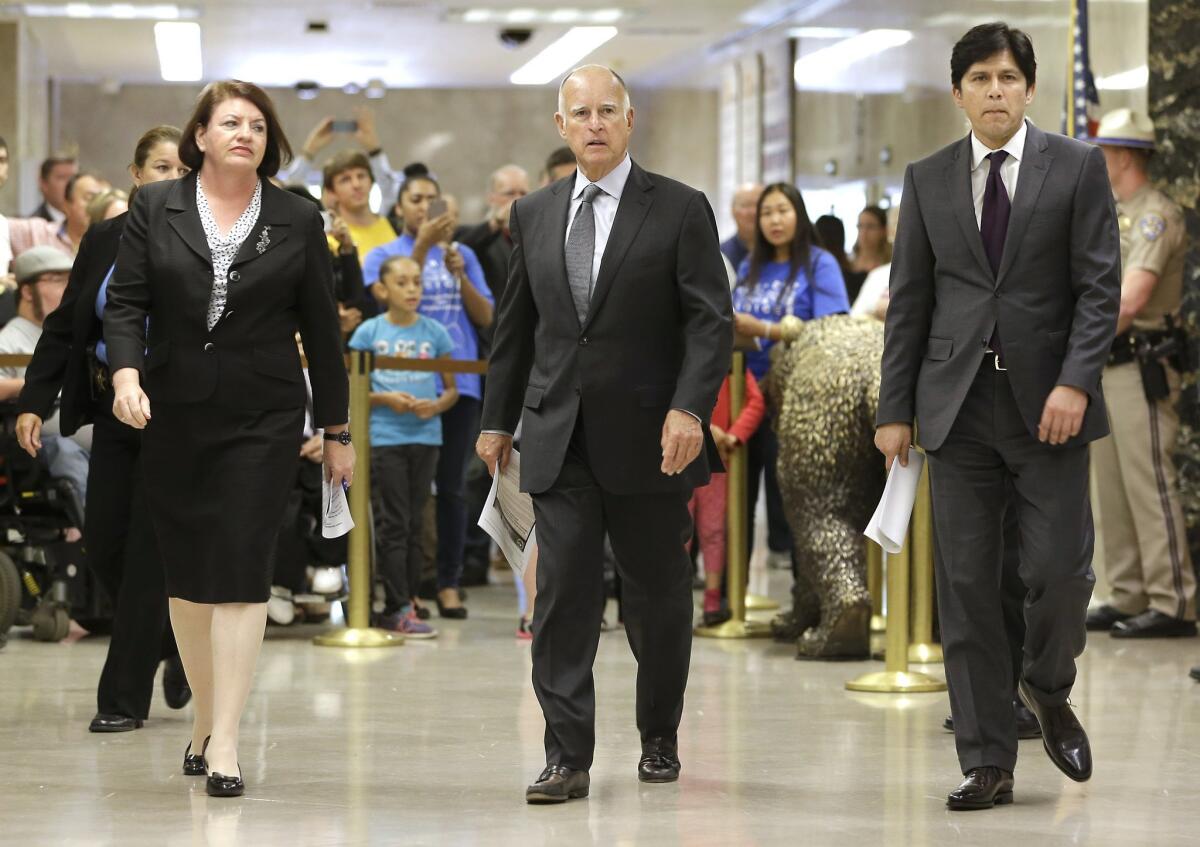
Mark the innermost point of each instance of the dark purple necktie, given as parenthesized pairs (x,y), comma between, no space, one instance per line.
(993,225)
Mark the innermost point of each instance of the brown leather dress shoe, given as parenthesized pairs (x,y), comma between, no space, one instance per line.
(558,784)
(1063,736)
(1153,624)
(660,760)
(983,788)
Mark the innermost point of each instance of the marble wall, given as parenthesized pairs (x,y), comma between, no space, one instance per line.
(24,115)
(1174,99)
(462,134)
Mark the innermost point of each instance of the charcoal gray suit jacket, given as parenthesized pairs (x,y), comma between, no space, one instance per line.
(1054,300)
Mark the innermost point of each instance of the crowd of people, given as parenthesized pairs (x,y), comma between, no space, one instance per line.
(412,281)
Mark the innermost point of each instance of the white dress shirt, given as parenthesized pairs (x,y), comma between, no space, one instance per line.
(604,207)
(981,165)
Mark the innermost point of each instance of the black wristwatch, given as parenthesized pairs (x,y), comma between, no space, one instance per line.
(342,437)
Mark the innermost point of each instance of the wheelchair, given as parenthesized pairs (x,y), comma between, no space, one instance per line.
(43,580)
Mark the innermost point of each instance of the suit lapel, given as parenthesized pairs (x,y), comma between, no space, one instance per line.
(552,229)
(1032,174)
(269,231)
(958,176)
(184,217)
(631,211)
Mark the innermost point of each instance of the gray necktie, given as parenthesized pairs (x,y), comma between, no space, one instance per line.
(581,248)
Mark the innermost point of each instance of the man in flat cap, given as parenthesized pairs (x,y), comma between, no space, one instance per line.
(1142,528)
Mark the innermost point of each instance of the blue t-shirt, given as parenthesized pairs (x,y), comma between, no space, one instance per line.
(441,298)
(808,296)
(425,339)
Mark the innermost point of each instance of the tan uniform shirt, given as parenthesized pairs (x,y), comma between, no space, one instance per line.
(1153,238)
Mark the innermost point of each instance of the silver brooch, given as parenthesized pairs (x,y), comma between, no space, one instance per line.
(263,240)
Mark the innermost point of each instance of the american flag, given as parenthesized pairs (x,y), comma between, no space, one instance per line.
(1080,119)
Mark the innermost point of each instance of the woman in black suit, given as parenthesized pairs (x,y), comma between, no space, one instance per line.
(121,549)
(226,267)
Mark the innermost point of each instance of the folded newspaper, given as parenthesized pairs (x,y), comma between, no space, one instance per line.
(889,525)
(508,516)
(335,511)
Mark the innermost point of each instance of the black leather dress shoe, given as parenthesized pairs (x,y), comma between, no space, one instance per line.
(1194,673)
(660,760)
(982,789)
(1063,736)
(1027,725)
(558,784)
(219,785)
(1102,618)
(175,685)
(113,723)
(194,764)
(1153,624)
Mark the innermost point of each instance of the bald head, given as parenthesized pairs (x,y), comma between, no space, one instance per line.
(585,74)
(507,184)
(745,210)
(595,119)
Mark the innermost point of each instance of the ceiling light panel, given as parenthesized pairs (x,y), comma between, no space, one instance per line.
(179,56)
(824,66)
(562,55)
(111,11)
(529,16)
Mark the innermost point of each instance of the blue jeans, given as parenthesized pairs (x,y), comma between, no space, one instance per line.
(460,425)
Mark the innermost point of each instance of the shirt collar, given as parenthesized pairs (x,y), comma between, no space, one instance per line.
(1015,147)
(612,183)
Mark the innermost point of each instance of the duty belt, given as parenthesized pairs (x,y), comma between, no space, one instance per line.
(1125,346)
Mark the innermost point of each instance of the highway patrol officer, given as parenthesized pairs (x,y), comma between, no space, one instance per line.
(1145,543)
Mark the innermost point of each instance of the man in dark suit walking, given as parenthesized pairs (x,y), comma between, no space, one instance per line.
(613,337)
(1005,290)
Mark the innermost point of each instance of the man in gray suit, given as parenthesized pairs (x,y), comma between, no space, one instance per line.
(1005,290)
(613,337)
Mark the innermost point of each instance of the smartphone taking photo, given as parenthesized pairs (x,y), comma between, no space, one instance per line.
(437,208)
(344,126)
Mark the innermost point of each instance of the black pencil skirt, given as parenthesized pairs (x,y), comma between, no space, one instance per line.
(217,483)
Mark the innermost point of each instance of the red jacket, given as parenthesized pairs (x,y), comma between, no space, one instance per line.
(752,412)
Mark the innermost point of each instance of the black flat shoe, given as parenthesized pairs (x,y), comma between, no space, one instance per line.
(195,765)
(1194,673)
(457,613)
(660,761)
(113,723)
(716,618)
(219,785)
(1102,618)
(558,784)
(1153,624)
(175,686)
(982,789)
(1063,736)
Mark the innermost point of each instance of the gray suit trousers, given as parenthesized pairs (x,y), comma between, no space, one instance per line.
(988,454)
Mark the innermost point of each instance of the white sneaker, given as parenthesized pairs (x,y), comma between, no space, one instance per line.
(280,608)
(327,581)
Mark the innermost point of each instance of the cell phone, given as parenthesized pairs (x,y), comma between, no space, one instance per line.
(328,219)
(344,126)
(437,208)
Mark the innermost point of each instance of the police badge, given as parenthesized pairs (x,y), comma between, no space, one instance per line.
(1152,226)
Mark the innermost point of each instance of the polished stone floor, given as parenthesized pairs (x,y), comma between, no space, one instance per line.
(433,743)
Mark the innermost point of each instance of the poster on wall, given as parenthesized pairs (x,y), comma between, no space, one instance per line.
(778,96)
(750,119)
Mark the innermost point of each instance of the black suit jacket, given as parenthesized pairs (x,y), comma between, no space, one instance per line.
(280,281)
(1055,298)
(657,337)
(60,360)
(43,212)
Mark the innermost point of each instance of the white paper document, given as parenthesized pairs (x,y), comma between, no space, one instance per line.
(335,511)
(508,516)
(889,524)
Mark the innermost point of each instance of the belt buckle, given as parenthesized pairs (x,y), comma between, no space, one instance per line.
(996,361)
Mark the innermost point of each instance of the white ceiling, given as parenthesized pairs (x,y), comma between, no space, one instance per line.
(415,43)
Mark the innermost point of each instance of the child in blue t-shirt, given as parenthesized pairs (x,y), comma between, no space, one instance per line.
(406,432)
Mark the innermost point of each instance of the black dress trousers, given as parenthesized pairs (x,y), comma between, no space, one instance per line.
(649,533)
(123,554)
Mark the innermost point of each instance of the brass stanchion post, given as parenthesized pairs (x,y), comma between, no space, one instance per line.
(922,649)
(358,631)
(875,586)
(735,557)
(896,678)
